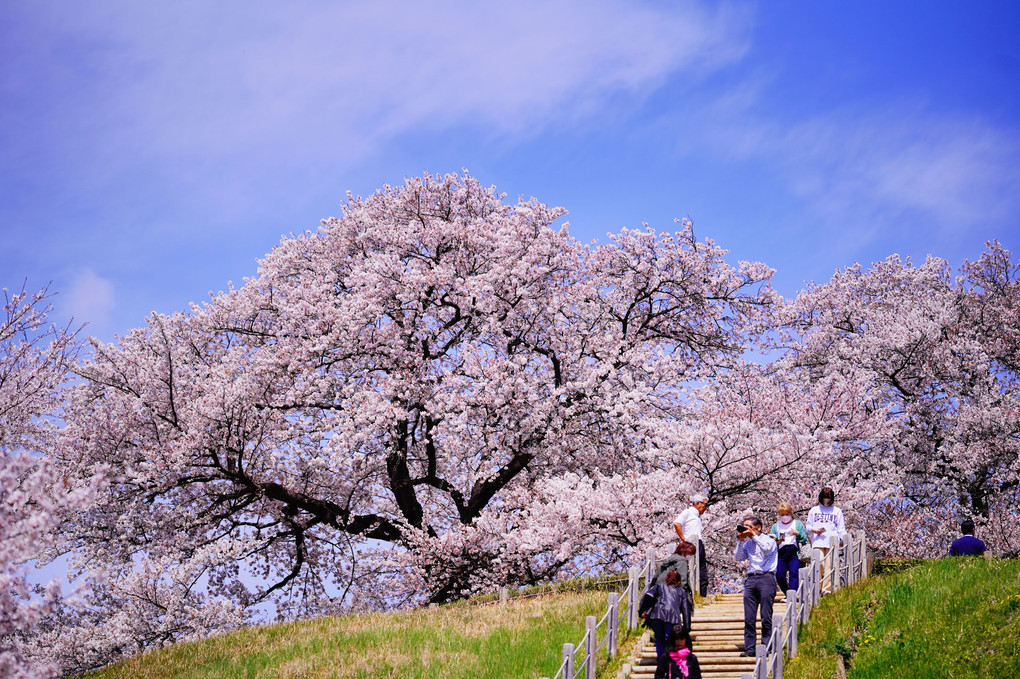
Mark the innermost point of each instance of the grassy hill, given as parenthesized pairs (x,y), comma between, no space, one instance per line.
(520,638)
(947,618)
(954,618)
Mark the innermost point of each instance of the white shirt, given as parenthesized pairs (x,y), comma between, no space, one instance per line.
(829,518)
(784,525)
(690,522)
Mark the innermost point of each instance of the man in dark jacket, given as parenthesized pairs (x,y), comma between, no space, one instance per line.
(968,545)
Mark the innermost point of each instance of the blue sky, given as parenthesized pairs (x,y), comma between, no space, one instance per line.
(152,151)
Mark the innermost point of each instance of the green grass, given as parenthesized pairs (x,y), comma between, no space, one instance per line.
(947,618)
(520,638)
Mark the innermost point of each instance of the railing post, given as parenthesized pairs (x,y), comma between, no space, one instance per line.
(695,565)
(568,661)
(804,600)
(816,579)
(864,554)
(801,591)
(761,667)
(859,573)
(777,652)
(589,647)
(834,568)
(612,624)
(632,599)
(791,622)
(845,558)
(805,603)
(851,573)
(650,566)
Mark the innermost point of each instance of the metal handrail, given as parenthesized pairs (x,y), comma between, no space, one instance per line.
(769,660)
(588,660)
(582,645)
(560,669)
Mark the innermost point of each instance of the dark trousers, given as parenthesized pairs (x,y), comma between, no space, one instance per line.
(660,628)
(702,569)
(759,591)
(789,562)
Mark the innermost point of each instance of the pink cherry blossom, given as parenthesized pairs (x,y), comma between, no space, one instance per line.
(35,496)
(370,419)
(440,392)
(938,355)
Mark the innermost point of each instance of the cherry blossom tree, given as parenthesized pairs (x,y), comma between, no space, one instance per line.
(939,356)
(895,385)
(439,393)
(160,600)
(750,438)
(369,420)
(35,497)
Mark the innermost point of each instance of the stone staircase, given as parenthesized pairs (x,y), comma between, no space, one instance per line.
(718,632)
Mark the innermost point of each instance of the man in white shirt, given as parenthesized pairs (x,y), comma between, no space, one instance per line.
(688,528)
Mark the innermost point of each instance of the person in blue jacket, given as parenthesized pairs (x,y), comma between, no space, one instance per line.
(968,545)
(791,535)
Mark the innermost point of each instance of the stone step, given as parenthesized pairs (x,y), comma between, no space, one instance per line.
(707,673)
(728,657)
(727,651)
(713,634)
(735,647)
(718,635)
(729,610)
(721,656)
(697,629)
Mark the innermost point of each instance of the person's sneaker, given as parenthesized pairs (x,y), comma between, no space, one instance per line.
(745,654)
(782,599)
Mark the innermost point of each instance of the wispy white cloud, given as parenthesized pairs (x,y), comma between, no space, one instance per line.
(89,299)
(205,79)
(950,169)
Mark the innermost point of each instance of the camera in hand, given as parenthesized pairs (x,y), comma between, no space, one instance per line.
(741,528)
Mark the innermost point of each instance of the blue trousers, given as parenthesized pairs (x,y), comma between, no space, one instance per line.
(789,562)
(660,628)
